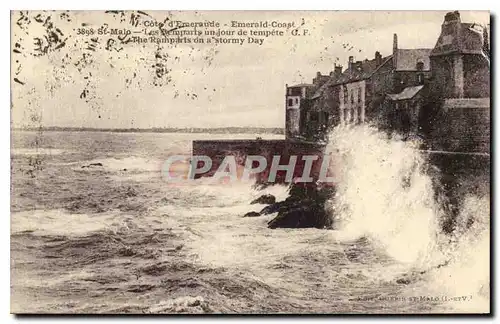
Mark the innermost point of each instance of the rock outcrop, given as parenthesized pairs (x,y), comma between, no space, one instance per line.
(265,200)
(252,214)
(98,164)
(304,207)
(301,214)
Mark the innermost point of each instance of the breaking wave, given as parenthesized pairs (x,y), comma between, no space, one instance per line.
(101,239)
(386,194)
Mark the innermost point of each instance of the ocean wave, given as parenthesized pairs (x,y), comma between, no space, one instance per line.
(130,163)
(38,151)
(385,194)
(118,244)
(58,222)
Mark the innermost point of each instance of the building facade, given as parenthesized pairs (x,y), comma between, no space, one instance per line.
(296,103)
(354,90)
(365,84)
(430,92)
(460,60)
(324,112)
(305,118)
(456,116)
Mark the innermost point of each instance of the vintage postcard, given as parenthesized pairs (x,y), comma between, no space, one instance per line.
(250,162)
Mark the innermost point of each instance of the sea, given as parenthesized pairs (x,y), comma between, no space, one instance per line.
(119,238)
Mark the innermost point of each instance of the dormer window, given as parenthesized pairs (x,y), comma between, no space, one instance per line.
(420,66)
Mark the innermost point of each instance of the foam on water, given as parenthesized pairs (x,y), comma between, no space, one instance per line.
(38,151)
(61,222)
(384,194)
(240,191)
(220,236)
(468,272)
(133,163)
(387,226)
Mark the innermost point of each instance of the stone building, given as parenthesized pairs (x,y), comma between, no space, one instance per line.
(302,121)
(398,88)
(355,89)
(456,116)
(403,110)
(354,95)
(324,111)
(363,86)
(440,93)
(460,60)
(297,100)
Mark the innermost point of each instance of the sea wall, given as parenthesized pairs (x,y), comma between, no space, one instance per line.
(457,176)
(217,150)
(462,125)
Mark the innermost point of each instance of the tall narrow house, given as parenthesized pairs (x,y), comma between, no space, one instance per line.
(296,102)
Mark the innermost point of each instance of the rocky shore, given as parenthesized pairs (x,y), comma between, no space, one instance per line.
(303,208)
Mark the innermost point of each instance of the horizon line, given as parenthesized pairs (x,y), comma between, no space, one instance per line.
(278,130)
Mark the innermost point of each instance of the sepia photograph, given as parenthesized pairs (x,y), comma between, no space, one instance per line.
(250,162)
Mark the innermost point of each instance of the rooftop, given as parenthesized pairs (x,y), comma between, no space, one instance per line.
(407,93)
(459,37)
(300,85)
(360,70)
(408,58)
(324,87)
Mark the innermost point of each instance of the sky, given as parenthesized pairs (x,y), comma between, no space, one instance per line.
(80,80)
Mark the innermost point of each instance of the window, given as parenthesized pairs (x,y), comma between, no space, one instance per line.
(359,95)
(296,100)
(290,102)
(346,96)
(352,98)
(420,78)
(420,66)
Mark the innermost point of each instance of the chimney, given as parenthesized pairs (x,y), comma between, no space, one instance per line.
(359,66)
(378,58)
(338,70)
(317,79)
(451,35)
(452,17)
(395,50)
(351,61)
